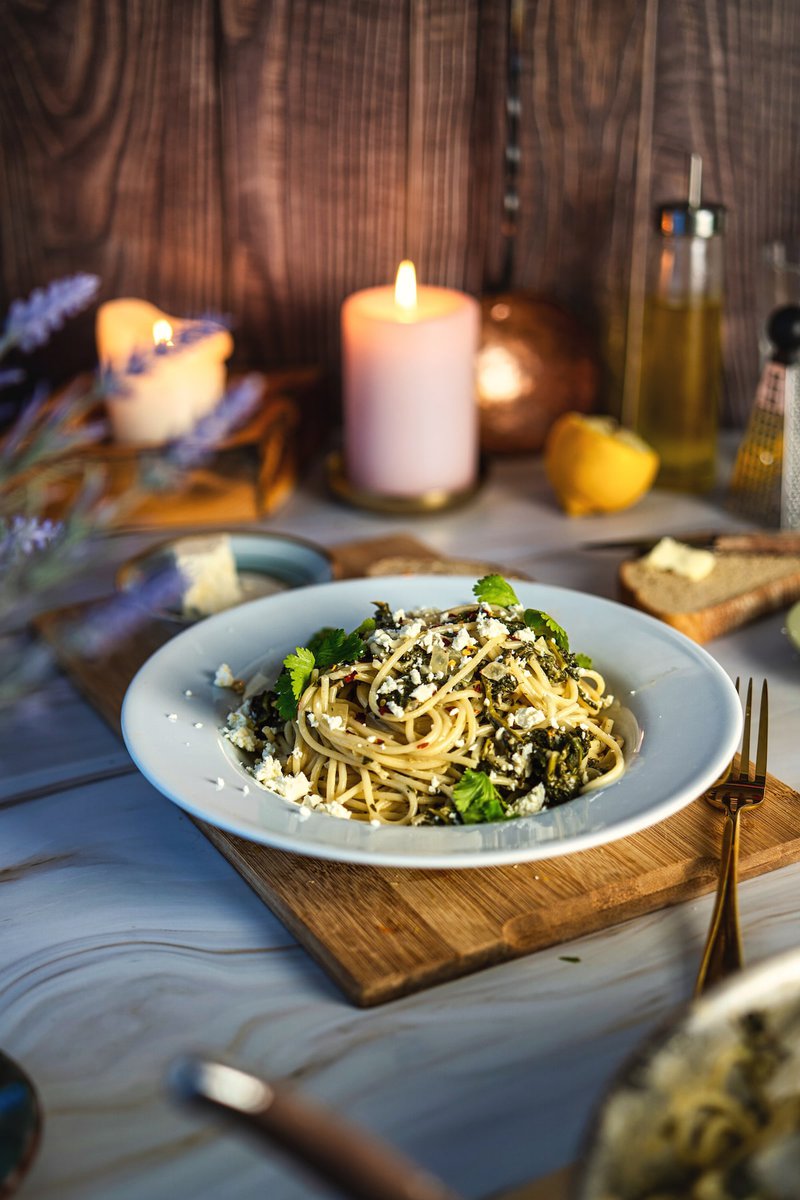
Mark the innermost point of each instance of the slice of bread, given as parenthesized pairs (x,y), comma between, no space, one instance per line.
(740,588)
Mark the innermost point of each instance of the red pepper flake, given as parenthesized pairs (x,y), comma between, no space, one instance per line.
(349,678)
(422,745)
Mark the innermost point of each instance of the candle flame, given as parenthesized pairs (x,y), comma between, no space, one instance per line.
(405,288)
(162,333)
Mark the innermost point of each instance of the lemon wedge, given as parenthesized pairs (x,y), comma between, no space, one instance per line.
(596,466)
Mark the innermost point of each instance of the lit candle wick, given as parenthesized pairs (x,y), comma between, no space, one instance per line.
(162,333)
(405,288)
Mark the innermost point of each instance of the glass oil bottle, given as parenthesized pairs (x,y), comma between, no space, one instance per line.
(681,355)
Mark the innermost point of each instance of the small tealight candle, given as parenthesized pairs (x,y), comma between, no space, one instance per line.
(410,409)
(178,385)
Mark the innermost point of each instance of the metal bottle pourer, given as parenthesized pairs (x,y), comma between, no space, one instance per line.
(766,478)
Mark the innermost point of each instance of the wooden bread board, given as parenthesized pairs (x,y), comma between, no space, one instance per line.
(381,933)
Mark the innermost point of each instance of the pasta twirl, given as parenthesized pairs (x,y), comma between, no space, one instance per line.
(470,714)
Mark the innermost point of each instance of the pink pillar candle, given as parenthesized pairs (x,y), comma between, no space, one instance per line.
(410,409)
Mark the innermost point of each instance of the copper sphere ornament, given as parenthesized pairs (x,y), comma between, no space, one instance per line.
(535,362)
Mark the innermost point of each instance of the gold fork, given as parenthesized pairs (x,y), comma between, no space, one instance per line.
(723,950)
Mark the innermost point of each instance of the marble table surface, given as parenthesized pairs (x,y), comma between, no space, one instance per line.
(128,940)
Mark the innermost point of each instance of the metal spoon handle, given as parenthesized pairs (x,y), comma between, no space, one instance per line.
(359,1166)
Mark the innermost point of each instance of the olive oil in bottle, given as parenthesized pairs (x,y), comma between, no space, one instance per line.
(679,397)
(681,361)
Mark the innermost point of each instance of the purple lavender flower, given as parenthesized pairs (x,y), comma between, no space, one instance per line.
(11,376)
(120,616)
(142,358)
(233,409)
(22,537)
(30,322)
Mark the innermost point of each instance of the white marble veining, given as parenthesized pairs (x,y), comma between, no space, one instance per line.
(127,940)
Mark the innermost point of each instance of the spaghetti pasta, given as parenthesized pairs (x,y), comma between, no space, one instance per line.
(470,714)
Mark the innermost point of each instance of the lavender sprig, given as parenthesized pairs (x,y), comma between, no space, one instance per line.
(31,322)
(234,408)
(22,537)
(142,359)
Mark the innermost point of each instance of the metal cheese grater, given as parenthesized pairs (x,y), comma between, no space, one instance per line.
(766,478)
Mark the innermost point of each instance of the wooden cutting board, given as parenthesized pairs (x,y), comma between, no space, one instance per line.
(383,932)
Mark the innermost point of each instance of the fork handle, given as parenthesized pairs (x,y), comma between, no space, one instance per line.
(722,955)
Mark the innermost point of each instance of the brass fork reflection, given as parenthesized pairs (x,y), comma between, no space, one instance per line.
(723,950)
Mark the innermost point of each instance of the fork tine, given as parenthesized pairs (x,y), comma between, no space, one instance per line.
(744,759)
(763,728)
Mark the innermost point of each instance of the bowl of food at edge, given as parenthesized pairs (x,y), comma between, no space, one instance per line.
(709,1107)
(477,713)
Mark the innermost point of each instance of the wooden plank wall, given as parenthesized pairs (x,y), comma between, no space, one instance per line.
(251,156)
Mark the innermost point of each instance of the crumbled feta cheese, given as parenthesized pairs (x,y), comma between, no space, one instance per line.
(432,640)
(335,722)
(529,804)
(220,784)
(269,773)
(381,639)
(303,813)
(411,630)
(395,709)
(172,716)
(197,725)
(521,757)
(463,640)
(490,627)
(338,810)
(525,635)
(246,790)
(526,718)
(398,616)
(415,676)
(388,685)
(224,677)
(243,737)
(188,692)
(375,823)
(423,692)
(433,786)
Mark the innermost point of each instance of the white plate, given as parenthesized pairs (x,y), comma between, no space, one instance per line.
(685,725)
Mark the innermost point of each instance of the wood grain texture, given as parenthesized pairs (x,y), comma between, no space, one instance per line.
(728,86)
(581,96)
(381,933)
(256,158)
(110,150)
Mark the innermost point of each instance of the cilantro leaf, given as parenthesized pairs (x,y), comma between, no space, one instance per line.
(336,646)
(476,798)
(493,589)
(291,683)
(546,627)
(583,660)
(319,638)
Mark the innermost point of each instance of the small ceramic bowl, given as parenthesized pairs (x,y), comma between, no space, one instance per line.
(265,563)
(710,1103)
